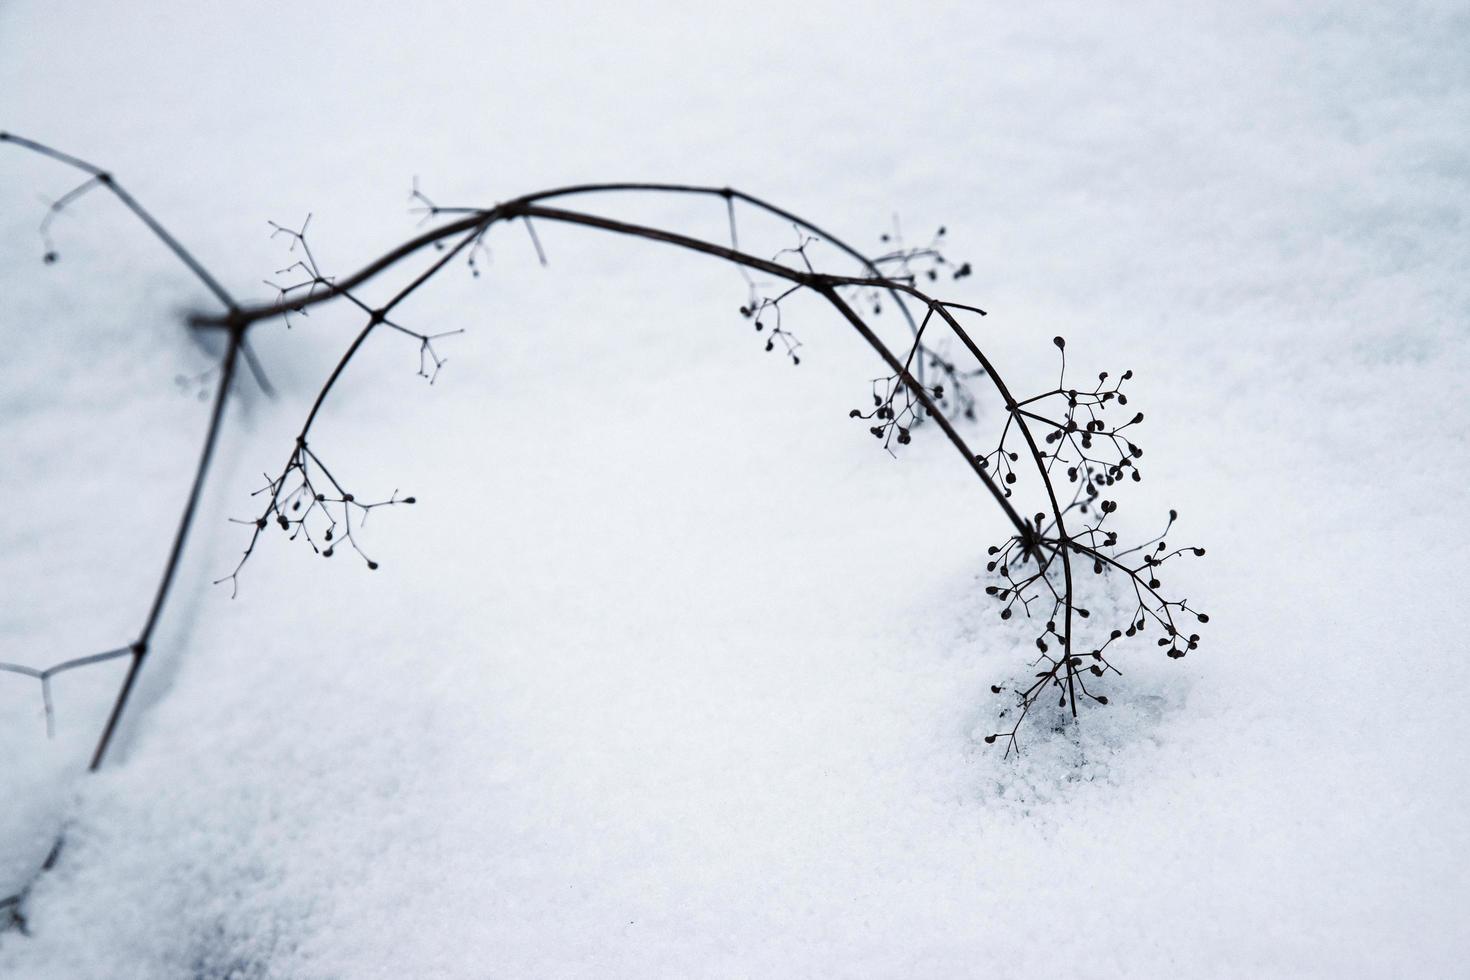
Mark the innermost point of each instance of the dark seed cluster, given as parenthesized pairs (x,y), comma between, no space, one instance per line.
(1035,568)
(306,501)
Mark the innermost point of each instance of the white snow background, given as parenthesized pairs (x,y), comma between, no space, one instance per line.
(672,672)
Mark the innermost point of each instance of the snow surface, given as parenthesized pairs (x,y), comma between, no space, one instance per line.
(672,672)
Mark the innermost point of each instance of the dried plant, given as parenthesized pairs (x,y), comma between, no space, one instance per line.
(1064,431)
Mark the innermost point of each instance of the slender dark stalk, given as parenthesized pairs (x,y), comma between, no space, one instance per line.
(140,647)
(824,285)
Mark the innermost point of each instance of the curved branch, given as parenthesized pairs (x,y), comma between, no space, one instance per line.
(139,647)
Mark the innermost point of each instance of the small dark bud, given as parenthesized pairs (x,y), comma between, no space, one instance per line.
(1061,342)
(373,565)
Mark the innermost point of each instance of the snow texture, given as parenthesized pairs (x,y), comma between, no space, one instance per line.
(671,672)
